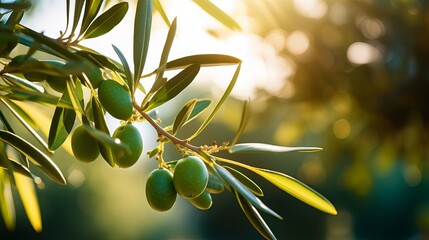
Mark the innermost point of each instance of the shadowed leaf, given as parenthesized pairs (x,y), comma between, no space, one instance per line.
(183,115)
(61,125)
(252,186)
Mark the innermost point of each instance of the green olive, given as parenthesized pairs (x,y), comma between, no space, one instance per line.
(160,192)
(115,99)
(30,76)
(130,135)
(203,202)
(84,146)
(190,177)
(95,76)
(214,184)
(57,83)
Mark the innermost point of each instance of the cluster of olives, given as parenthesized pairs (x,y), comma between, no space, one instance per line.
(58,83)
(190,179)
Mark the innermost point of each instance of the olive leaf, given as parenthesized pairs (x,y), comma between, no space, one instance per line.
(204,60)
(61,125)
(218,14)
(25,120)
(36,156)
(254,217)
(74,89)
(128,74)
(27,193)
(173,87)
(268,148)
(7,207)
(92,7)
(14,166)
(106,21)
(183,115)
(219,104)
(158,6)
(297,189)
(21,83)
(251,185)
(101,125)
(142,27)
(245,115)
(243,191)
(78,7)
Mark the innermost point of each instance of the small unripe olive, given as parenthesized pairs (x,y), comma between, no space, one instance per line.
(84,146)
(95,76)
(203,201)
(130,135)
(115,99)
(160,192)
(190,177)
(57,83)
(214,185)
(30,76)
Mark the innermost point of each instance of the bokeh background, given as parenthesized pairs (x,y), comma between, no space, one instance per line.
(349,76)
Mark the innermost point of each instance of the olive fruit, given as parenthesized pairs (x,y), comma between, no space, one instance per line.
(190,177)
(115,99)
(95,76)
(57,83)
(160,192)
(31,76)
(214,185)
(203,202)
(84,146)
(130,135)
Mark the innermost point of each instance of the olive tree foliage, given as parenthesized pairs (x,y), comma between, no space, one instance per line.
(81,86)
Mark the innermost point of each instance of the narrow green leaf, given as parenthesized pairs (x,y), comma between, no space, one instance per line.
(16,167)
(251,185)
(21,83)
(32,96)
(219,104)
(27,193)
(158,6)
(200,106)
(67,16)
(107,21)
(245,114)
(142,28)
(74,89)
(297,189)
(268,148)
(78,6)
(183,115)
(7,207)
(243,191)
(61,125)
(36,156)
(24,119)
(101,125)
(218,14)
(204,60)
(173,87)
(92,7)
(254,217)
(128,74)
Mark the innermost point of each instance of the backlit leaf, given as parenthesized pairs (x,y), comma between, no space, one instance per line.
(218,14)
(173,87)
(107,21)
(21,83)
(7,207)
(101,125)
(128,74)
(92,7)
(245,115)
(262,147)
(297,189)
(36,156)
(27,193)
(157,5)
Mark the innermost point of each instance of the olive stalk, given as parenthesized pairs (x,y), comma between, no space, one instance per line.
(161,131)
